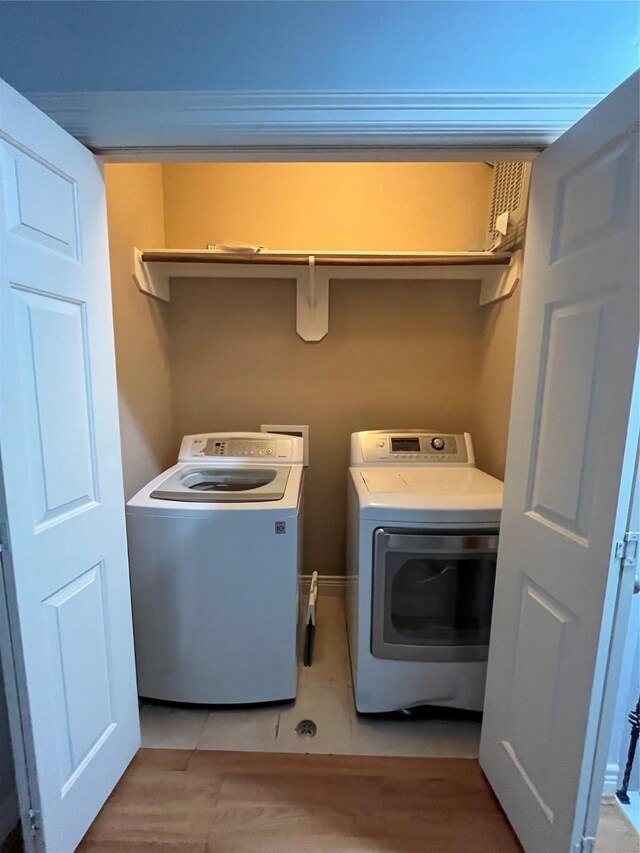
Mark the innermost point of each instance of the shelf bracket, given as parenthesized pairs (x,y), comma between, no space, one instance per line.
(500,283)
(155,285)
(312,302)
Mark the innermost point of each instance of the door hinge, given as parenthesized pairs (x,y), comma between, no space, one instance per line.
(627,549)
(34,822)
(585,845)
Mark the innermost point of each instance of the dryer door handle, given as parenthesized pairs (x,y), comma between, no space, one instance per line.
(437,543)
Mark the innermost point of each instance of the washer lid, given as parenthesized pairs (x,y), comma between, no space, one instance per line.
(218,484)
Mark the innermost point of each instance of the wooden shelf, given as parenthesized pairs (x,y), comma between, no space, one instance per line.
(312,272)
(425,259)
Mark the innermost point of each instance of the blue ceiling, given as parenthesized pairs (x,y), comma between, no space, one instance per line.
(352,46)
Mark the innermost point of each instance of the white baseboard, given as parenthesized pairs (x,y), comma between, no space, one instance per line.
(9,815)
(611,779)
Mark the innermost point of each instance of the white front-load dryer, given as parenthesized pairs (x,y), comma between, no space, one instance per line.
(422,532)
(214,546)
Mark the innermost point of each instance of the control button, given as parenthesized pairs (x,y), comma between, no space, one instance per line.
(437,443)
(269,450)
(381,444)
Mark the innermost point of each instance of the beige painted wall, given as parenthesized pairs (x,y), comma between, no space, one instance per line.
(324,206)
(136,218)
(492,403)
(398,354)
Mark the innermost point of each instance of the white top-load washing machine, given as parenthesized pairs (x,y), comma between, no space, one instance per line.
(422,545)
(215,546)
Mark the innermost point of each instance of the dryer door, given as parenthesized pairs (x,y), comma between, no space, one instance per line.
(432,595)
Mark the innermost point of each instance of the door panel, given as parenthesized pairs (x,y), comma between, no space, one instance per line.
(51,337)
(536,691)
(572,444)
(79,664)
(65,570)
(42,204)
(577,333)
(603,177)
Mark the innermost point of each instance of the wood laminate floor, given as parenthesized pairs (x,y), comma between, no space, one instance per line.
(230,802)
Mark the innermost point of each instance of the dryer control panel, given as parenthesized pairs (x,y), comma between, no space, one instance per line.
(411,447)
(252,447)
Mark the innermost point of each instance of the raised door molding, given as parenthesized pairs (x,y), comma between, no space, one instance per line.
(277,124)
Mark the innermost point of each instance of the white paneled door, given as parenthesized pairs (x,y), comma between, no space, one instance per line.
(572,445)
(65,564)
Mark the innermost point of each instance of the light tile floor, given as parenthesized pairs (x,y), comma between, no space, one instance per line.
(325,695)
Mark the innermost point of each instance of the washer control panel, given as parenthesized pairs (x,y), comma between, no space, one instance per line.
(236,447)
(411,448)
(255,447)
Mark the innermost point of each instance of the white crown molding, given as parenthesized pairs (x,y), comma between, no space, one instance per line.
(112,122)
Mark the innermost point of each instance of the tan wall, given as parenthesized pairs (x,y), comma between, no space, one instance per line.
(136,218)
(397,355)
(324,206)
(492,403)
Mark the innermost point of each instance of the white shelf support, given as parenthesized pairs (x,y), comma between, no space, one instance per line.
(152,282)
(312,302)
(499,283)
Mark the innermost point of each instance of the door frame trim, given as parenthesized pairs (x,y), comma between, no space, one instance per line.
(14,679)
(125,127)
(608,667)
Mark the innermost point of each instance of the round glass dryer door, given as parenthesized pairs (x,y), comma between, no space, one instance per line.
(216,483)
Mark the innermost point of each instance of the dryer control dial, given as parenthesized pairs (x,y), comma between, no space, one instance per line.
(437,443)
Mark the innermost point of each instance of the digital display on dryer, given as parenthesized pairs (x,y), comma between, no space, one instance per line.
(406,445)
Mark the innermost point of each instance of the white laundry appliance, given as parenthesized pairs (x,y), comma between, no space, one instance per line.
(215,546)
(423,526)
